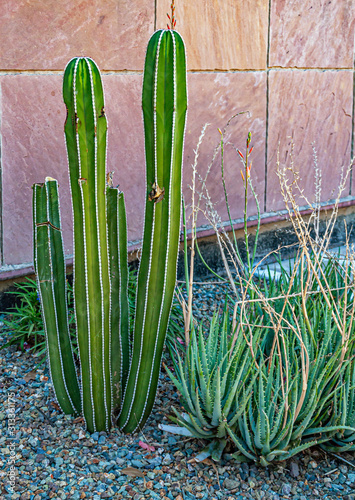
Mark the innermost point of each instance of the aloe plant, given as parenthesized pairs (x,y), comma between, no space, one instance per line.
(116,377)
(269,403)
(215,381)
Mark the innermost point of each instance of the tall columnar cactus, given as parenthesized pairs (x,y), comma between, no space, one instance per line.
(116,377)
(164,103)
(85,131)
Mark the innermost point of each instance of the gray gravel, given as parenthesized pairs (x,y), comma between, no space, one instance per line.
(53,457)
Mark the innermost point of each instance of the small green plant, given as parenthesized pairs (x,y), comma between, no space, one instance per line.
(23,323)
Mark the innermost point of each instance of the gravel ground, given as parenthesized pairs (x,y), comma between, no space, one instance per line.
(44,454)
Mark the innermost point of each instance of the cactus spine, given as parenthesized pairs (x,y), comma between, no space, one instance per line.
(116,378)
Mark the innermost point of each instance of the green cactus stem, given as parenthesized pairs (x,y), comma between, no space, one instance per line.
(117,242)
(50,271)
(85,132)
(164,103)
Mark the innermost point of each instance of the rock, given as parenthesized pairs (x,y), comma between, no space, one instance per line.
(294,469)
(167,459)
(231,484)
(286,489)
(137,463)
(101,440)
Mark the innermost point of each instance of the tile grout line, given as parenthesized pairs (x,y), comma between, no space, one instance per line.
(267,104)
(352,124)
(155,15)
(1,197)
(104,72)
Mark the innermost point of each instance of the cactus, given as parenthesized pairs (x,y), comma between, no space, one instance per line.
(164,103)
(50,271)
(117,378)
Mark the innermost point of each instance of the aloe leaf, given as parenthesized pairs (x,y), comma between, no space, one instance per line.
(241,445)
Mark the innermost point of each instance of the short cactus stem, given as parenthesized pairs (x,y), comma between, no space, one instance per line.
(120,341)
(51,279)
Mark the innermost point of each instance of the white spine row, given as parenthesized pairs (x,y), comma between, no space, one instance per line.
(103,332)
(151,240)
(120,287)
(85,257)
(110,284)
(110,307)
(169,227)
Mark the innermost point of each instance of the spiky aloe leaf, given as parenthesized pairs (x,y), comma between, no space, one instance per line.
(242,447)
(217,409)
(164,103)
(50,271)
(85,133)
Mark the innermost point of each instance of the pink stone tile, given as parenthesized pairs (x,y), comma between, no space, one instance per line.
(306,107)
(214,99)
(37,34)
(309,34)
(32,148)
(221,35)
(33,145)
(125,154)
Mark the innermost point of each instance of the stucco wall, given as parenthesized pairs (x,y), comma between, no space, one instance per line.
(289,64)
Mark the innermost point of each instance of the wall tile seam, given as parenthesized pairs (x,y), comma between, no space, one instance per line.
(267,107)
(352,124)
(133,245)
(192,71)
(305,68)
(1,198)
(61,71)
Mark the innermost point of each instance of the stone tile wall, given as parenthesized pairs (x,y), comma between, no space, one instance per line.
(288,65)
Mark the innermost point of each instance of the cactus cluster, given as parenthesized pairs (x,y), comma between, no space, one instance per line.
(117,376)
